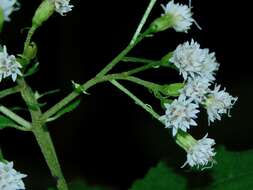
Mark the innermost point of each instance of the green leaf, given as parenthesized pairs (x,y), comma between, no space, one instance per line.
(81,185)
(160,177)
(33,69)
(233,171)
(65,110)
(6,122)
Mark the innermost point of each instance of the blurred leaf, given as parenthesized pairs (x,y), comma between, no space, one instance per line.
(81,185)
(6,122)
(1,19)
(234,171)
(160,178)
(65,110)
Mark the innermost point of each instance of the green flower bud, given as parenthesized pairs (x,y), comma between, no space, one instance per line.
(162,23)
(31,51)
(172,89)
(44,11)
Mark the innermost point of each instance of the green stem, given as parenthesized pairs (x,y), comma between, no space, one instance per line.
(121,76)
(137,60)
(137,37)
(119,57)
(47,148)
(146,84)
(143,21)
(9,91)
(143,68)
(15,118)
(42,136)
(136,99)
(29,37)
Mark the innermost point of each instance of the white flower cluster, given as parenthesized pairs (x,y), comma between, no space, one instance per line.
(9,65)
(63,6)
(8,6)
(10,179)
(181,16)
(198,67)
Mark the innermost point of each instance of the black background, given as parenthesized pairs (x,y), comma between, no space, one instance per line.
(108,139)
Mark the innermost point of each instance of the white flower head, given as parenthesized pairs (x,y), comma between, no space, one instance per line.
(218,102)
(180,114)
(196,89)
(201,153)
(192,61)
(63,6)
(10,179)
(181,16)
(9,65)
(8,6)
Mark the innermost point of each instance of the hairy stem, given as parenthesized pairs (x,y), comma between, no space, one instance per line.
(47,148)
(42,136)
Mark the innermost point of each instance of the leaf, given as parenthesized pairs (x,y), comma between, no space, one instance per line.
(233,171)
(65,110)
(38,95)
(81,185)
(33,69)
(6,122)
(160,178)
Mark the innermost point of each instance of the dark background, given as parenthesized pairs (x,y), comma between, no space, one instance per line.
(109,140)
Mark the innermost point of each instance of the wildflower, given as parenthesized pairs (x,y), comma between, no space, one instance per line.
(196,89)
(180,16)
(180,114)
(201,153)
(10,179)
(193,61)
(62,6)
(9,65)
(218,102)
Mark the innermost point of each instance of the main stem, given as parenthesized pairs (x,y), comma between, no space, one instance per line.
(42,135)
(47,148)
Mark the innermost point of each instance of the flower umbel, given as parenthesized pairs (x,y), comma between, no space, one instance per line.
(63,6)
(180,114)
(192,61)
(8,6)
(218,102)
(10,179)
(9,65)
(201,153)
(181,16)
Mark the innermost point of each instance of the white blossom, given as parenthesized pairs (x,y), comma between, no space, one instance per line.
(180,114)
(196,89)
(10,179)
(201,153)
(181,16)
(9,65)
(8,6)
(218,102)
(63,6)
(192,61)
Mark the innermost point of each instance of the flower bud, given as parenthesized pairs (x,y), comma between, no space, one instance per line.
(44,11)
(160,24)
(172,89)
(31,51)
